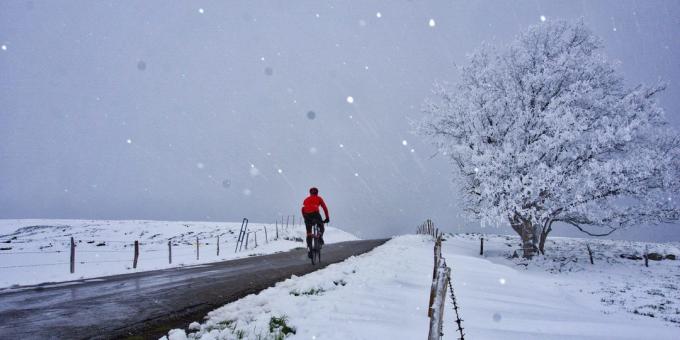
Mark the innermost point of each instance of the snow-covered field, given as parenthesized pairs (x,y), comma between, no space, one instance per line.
(384,294)
(37,251)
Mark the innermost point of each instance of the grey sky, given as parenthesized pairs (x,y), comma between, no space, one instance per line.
(186,110)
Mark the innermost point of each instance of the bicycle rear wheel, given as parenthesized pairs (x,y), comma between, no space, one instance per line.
(315,242)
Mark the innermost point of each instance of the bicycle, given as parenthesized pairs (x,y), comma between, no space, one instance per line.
(316,245)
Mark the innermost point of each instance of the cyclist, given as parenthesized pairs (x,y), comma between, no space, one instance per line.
(312,216)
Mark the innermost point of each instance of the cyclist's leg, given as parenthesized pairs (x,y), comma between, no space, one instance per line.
(308,225)
(321,229)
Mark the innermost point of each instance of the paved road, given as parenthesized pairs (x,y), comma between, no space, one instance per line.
(148,304)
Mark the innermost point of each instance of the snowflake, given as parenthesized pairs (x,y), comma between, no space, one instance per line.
(378,15)
(404,142)
(432,23)
(543,18)
(129,141)
(350,99)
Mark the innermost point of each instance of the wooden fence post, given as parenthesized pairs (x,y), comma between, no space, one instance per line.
(197,248)
(266,238)
(277,230)
(247,238)
(481,246)
(433,288)
(218,245)
(293,220)
(437,308)
(73,255)
(134,262)
(646,257)
(590,253)
(170,252)
(256,239)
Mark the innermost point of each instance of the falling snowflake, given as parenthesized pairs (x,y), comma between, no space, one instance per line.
(502,281)
(343,145)
(4,47)
(432,23)
(317,15)
(200,10)
(280,171)
(404,142)
(350,99)
(200,165)
(254,171)
(378,15)
(366,67)
(413,150)
(543,18)
(356,174)
(129,141)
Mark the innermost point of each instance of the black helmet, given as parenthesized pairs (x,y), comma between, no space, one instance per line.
(314,191)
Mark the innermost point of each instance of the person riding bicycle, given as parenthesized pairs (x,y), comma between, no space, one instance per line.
(312,216)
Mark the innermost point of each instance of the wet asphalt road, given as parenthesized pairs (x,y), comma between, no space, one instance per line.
(148,304)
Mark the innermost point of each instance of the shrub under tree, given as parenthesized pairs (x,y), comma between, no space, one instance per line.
(544,131)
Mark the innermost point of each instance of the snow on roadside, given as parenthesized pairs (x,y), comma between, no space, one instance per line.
(383,295)
(378,295)
(37,251)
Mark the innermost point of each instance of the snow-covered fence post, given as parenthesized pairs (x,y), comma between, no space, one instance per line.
(169,252)
(293,221)
(247,237)
(646,256)
(134,261)
(218,245)
(266,238)
(73,255)
(277,230)
(255,238)
(197,248)
(437,307)
(590,253)
(481,246)
(433,288)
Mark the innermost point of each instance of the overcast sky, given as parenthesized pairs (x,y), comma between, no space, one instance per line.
(218,110)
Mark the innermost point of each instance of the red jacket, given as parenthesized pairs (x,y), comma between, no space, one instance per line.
(311,204)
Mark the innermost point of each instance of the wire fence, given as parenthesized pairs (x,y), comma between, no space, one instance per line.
(441,278)
(177,247)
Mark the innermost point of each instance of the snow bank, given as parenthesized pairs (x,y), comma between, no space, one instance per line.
(37,251)
(384,294)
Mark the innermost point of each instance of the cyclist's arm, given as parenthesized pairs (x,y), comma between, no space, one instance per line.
(325,209)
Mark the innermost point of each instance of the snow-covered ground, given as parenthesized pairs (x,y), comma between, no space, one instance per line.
(37,251)
(384,294)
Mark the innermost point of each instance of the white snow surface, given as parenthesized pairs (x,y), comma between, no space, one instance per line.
(38,251)
(384,294)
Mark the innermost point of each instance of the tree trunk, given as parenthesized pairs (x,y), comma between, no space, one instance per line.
(527,233)
(547,228)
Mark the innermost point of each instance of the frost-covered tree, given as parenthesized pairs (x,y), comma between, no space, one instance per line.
(544,131)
